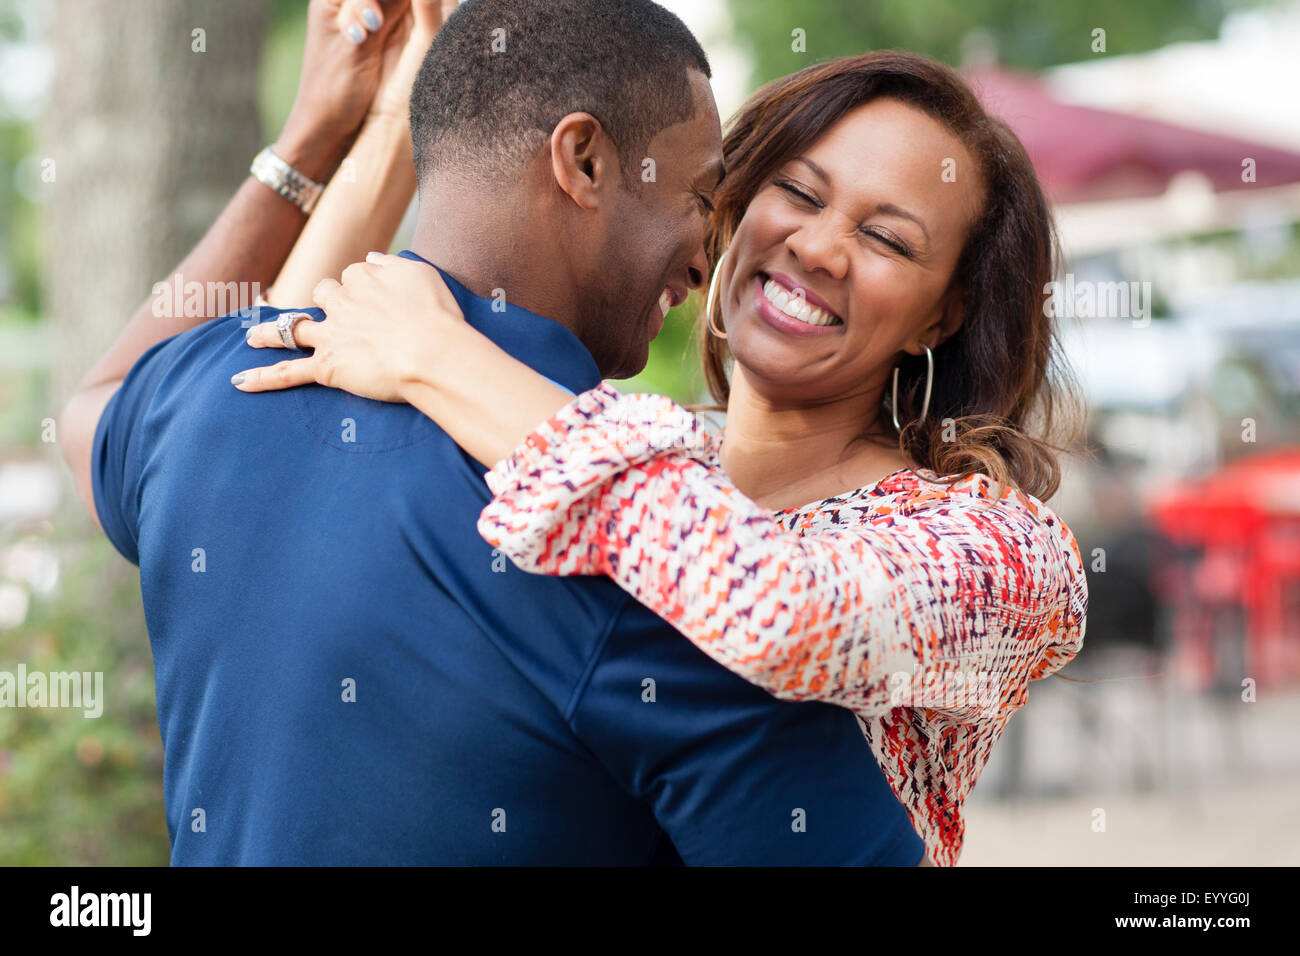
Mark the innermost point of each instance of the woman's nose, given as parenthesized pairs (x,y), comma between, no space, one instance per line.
(818,245)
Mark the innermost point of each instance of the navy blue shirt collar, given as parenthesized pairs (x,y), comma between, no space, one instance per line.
(539,342)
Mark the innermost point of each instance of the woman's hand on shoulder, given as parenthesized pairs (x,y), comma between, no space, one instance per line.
(386,326)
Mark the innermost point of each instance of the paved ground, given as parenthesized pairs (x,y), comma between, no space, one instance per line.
(1255,823)
(1183,779)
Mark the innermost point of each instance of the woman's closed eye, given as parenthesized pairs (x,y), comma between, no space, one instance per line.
(804,198)
(798,193)
(888,239)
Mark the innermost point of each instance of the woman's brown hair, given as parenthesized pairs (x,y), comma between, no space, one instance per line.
(1001,375)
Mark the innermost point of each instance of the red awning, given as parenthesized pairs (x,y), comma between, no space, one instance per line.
(1082,153)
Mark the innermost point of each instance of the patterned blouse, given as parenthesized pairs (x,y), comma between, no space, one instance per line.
(926,610)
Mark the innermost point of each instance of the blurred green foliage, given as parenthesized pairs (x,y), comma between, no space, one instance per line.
(21,236)
(281,62)
(1027,34)
(22,391)
(22,239)
(73,789)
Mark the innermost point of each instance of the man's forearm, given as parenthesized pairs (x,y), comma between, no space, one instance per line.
(247,245)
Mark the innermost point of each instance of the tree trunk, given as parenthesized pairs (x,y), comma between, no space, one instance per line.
(152,123)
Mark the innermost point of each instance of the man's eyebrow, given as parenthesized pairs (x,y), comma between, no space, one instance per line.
(886,207)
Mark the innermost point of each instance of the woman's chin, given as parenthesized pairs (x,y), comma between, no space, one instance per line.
(772,364)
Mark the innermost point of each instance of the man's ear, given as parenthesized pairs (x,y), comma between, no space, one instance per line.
(583,160)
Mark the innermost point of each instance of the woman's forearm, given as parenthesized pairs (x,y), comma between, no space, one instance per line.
(359,211)
(484,398)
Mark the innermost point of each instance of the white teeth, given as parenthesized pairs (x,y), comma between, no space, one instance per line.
(666,301)
(796,306)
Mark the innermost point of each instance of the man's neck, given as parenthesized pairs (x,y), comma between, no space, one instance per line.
(493,245)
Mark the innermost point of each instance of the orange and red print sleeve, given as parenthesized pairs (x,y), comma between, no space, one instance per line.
(629,486)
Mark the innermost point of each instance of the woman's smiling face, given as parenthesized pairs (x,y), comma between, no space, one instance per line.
(858,236)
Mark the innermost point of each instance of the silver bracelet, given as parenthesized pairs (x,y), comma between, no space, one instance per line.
(273,171)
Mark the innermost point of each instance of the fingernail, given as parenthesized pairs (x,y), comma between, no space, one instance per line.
(371,19)
(238,379)
(248,334)
(356,34)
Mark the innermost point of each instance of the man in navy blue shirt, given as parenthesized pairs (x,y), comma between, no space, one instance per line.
(346,672)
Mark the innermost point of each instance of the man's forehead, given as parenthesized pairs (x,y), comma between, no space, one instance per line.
(706,107)
(699,164)
(694,144)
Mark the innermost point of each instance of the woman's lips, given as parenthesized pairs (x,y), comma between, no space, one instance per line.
(784,323)
(811,297)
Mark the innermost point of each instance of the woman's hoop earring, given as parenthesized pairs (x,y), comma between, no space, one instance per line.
(929,381)
(708,300)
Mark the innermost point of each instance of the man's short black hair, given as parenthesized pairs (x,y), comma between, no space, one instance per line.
(502,73)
